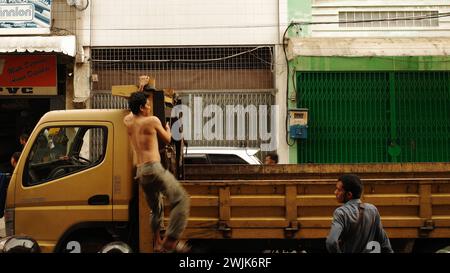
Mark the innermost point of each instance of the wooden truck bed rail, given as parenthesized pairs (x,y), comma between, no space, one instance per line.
(286,201)
(297,201)
(303,209)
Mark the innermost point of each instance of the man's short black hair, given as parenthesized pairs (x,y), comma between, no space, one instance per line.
(16,156)
(352,183)
(136,100)
(273,156)
(24,136)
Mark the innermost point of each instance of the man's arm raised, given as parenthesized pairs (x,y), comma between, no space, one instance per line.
(164,133)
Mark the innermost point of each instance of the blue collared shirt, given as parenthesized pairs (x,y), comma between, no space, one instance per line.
(347,236)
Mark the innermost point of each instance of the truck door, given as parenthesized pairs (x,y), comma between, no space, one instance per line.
(66,180)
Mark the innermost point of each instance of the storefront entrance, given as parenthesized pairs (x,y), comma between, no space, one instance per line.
(375,116)
(30,86)
(17,116)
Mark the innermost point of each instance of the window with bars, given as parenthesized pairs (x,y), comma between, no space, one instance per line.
(187,68)
(383,19)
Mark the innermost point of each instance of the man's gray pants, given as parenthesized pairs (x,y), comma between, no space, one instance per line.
(157,181)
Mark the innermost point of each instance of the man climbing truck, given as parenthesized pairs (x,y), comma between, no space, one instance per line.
(87,197)
(144,130)
(93,137)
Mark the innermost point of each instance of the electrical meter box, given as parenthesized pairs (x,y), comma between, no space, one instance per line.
(298,123)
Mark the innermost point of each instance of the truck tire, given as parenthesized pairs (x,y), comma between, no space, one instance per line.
(87,241)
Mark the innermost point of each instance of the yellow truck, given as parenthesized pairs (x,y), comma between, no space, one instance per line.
(73,190)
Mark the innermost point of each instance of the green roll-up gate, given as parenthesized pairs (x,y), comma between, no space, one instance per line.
(364,117)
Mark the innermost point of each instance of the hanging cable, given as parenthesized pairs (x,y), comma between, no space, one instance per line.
(287,83)
(301,23)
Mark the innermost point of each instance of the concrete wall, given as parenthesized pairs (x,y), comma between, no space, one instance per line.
(177,22)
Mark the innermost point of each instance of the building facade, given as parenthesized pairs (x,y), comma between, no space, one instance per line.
(375,77)
(222,53)
(37,58)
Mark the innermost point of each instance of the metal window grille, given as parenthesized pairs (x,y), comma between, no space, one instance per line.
(108,101)
(97,143)
(220,98)
(187,68)
(364,117)
(346,19)
(219,75)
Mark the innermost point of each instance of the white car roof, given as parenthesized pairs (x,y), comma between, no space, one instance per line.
(247,154)
(221,150)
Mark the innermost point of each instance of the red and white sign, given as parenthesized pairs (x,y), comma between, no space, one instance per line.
(28,75)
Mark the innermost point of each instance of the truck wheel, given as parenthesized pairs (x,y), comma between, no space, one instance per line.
(116,247)
(87,242)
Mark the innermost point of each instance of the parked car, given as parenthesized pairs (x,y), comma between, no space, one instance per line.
(221,155)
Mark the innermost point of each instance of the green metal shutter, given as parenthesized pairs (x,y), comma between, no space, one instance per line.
(364,117)
(423,105)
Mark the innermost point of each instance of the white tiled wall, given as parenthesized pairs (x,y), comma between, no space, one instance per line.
(178,22)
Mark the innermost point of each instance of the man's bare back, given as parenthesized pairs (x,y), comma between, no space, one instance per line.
(143,130)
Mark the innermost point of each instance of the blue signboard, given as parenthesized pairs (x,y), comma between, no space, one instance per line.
(25,16)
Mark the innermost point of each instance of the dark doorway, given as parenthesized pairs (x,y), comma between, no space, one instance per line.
(17,116)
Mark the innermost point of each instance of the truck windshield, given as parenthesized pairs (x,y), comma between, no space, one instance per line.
(60,151)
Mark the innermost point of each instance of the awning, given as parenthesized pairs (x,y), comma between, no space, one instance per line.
(363,47)
(63,44)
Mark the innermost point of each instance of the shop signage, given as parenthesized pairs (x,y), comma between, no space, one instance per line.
(25,16)
(24,75)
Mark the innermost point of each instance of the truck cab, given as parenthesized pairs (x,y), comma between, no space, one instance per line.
(68,191)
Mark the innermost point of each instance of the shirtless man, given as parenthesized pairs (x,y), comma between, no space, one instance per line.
(143,129)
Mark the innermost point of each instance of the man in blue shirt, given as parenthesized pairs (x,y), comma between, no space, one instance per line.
(356,226)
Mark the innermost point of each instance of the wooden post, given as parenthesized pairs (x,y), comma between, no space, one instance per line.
(225,211)
(291,203)
(425,201)
(291,211)
(426,210)
(224,204)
